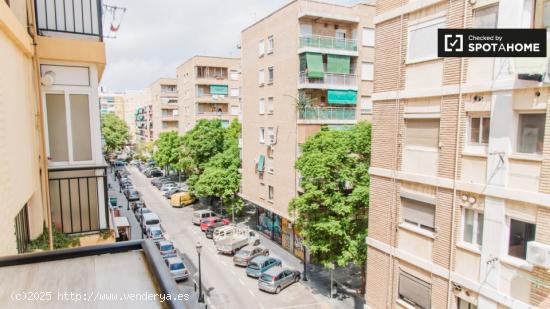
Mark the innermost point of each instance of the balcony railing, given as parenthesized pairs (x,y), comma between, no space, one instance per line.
(201,113)
(82,17)
(329,79)
(327,113)
(318,41)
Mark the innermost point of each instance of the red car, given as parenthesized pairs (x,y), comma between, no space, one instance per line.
(206,222)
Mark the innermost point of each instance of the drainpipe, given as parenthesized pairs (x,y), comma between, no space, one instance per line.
(455,168)
(44,183)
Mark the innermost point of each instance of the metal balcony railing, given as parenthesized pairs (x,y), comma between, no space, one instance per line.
(82,17)
(327,113)
(329,79)
(202,113)
(319,41)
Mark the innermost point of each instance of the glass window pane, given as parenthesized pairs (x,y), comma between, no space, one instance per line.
(474,130)
(80,127)
(468,225)
(520,234)
(57,127)
(486,128)
(486,17)
(423,42)
(479,236)
(531,133)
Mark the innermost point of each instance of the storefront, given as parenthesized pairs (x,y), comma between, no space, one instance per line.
(269,224)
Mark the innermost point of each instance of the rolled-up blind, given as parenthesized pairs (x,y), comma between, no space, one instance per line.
(415,291)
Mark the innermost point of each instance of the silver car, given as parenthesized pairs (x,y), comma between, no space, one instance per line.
(177,268)
(277,278)
(243,256)
(166,249)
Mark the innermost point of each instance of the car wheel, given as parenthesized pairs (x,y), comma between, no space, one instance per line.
(297,279)
(278,290)
(266,254)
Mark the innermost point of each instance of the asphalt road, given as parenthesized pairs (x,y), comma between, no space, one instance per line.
(226,285)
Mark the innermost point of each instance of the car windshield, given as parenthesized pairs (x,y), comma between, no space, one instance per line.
(156,232)
(243,252)
(177,266)
(152,222)
(146,210)
(253,266)
(266,278)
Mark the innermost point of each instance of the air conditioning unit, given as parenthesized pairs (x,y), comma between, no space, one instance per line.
(538,254)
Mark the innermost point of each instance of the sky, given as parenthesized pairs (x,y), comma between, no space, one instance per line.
(156,36)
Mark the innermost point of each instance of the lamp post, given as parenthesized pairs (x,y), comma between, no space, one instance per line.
(198,245)
(304,278)
(141,210)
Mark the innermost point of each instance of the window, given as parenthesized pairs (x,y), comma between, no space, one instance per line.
(234,92)
(366,105)
(479,130)
(69,133)
(306,29)
(422,133)
(418,213)
(261,106)
(270,105)
(367,71)
(270,75)
(472,226)
(261,77)
(368,37)
(422,40)
(234,110)
(270,44)
(520,233)
(270,192)
(462,304)
(234,75)
(340,34)
(486,17)
(261,48)
(414,291)
(531,133)
(262,135)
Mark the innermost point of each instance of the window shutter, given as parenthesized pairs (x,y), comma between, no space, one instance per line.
(414,290)
(422,132)
(417,212)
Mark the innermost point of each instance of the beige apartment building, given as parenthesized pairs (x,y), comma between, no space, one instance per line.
(321,51)
(209,88)
(112,103)
(460,177)
(132,99)
(50,140)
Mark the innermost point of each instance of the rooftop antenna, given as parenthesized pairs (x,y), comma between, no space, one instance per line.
(115,14)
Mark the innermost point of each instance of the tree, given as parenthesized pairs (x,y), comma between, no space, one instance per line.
(169,149)
(203,142)
(115,132)
(332,212)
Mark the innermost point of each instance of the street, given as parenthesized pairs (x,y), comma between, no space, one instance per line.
(226,286)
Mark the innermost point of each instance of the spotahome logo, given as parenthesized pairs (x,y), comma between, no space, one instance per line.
(491,42)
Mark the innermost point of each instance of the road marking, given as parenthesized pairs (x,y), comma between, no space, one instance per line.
(251,293)
(241,282)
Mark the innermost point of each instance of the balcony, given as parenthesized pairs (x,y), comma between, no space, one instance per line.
(69,17)
(330,80)
(321,44)
(327,115)
(212,98)
(169,118)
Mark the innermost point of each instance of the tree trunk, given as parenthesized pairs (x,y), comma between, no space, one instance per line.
(363,279)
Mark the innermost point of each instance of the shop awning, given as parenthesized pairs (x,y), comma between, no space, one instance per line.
(342,96)
(338,64)
(218,89)
(261,161)
(314,65)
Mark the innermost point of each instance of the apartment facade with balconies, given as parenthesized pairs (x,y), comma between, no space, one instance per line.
(322,53)
(164,110)
(112,103)
(459,197)
(209,88)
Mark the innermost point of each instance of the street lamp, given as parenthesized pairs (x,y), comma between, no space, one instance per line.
(304,278)
(198,245)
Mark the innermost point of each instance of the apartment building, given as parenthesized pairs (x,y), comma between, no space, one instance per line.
(112,103)
(132,99)
(164,106)
(50,121)
(311,49)
(209,88)
(460,177)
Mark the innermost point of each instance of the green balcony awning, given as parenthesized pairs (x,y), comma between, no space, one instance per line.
(218,89)
(314,65)
(261,161)
(342,96)
(338,64)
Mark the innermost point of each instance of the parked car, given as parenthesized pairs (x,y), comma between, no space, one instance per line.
(167,186)
(277,278)
(209,233)
(260,264)
(240,238)
(132,195)
(155,233)
(166,248)
(181,199)
(223,232)
(155,173)
(140,211)
(150,220)
(168,194)
(198,215)
(154,181)
(177,268)
(205,223)
(246,254)
(136,204)
(159,183)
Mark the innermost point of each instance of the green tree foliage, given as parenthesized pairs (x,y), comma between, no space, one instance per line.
(332,212)
(203,142)
(115,132)
(143,150)
(169,149)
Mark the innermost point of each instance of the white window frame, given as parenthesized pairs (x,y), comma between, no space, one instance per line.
(261,48)
(364,76)
(366,110)
(416,226)
(233,75)
(429,23)
(232,92)
(480,135)
(261,106)
(270,192)
(485,7)
(272,77)
(262,135)
(473,245)
(261,77)
(366,38)
(67,91)
(270,44)
(517,133)
(270,105)
(506,246)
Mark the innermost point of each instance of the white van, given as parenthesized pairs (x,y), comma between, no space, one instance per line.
(149,220)
(198,215)
(223,232)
